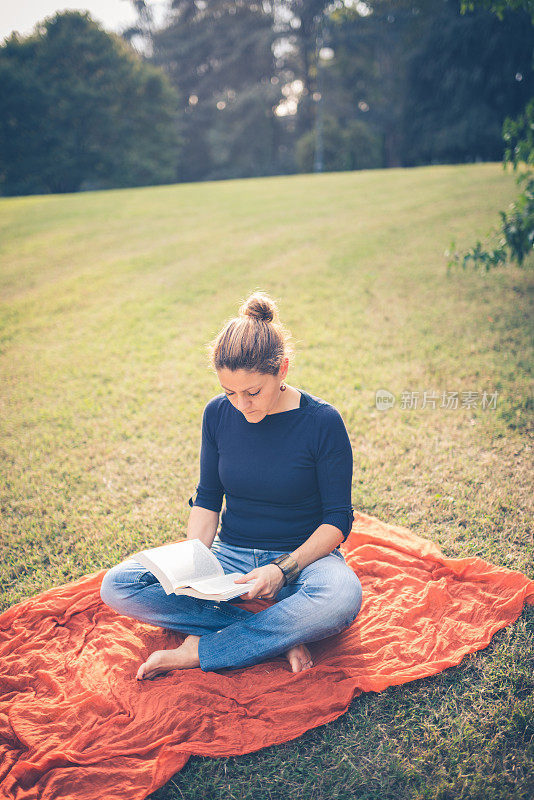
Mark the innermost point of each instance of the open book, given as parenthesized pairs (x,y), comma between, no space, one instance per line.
(190,568)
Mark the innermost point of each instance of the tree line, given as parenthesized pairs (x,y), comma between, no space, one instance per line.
(237,88)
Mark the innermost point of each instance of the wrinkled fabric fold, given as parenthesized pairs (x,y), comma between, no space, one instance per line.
(74,722)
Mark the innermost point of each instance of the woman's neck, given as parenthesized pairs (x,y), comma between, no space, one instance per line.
(289,400)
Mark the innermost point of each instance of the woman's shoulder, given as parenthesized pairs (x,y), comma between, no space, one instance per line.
(215,402)
(322,408)
(328,424)
(214,406)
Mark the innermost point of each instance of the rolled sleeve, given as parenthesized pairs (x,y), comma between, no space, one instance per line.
(334,470)
(209,490)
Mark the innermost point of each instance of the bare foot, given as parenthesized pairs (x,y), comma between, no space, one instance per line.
(299,657)
(161,661)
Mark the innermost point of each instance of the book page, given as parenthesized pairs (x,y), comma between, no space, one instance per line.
(181,562)
(222,584)
(221,597)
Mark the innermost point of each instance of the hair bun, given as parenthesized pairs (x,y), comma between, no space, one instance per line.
(259,306)
(253,346)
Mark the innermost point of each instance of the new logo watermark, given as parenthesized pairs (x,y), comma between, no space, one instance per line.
(384,400)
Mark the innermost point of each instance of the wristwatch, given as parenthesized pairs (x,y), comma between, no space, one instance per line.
(289,567)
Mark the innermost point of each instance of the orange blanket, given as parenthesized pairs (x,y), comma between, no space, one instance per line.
(74,722)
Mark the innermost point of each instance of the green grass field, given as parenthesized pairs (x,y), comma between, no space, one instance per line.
(108,300)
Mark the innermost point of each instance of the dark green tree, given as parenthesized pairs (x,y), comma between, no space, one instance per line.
(218,54)
(433,85)
(80,109)
(516,234)
(500,7)
(346,147)
(465,75)
(411,82)
(366,80)
(301,24)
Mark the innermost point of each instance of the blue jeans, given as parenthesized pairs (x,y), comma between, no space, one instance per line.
(325,599)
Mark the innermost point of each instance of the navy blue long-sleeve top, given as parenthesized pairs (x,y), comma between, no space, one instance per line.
(281,477)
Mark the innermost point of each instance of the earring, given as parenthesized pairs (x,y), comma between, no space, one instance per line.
(283,387)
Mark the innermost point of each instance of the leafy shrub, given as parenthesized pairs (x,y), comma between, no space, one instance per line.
(516,235)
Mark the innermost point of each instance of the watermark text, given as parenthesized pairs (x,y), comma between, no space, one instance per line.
(448,400)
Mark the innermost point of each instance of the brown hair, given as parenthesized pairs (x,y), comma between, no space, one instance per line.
(255,340)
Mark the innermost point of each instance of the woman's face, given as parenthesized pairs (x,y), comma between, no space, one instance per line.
(252,393)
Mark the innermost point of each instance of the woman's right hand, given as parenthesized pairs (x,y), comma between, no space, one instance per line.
(269,580)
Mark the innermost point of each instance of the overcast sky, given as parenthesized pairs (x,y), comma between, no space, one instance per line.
(22,15)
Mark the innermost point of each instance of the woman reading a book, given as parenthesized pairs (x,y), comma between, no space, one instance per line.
(282,460)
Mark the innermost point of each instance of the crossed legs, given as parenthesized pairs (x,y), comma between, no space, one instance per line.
(324,600)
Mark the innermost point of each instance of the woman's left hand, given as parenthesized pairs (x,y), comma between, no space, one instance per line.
(269,580)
